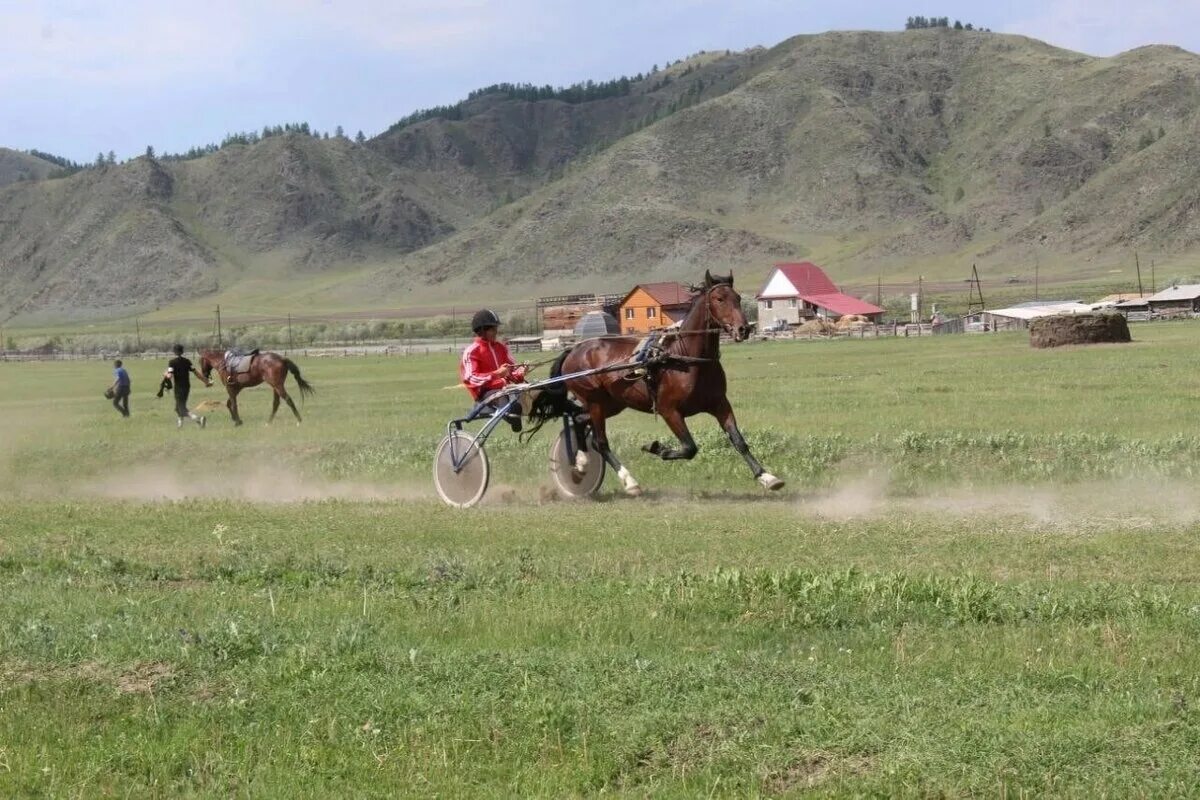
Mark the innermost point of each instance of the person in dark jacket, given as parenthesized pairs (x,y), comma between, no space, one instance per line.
(181,371)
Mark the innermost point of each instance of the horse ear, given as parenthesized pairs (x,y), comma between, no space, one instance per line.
(708,278)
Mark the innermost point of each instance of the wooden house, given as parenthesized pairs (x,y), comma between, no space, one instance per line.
(649,306)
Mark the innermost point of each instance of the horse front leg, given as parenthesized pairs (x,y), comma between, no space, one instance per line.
(687,449)
(725,418)
(233,405)
(600,435)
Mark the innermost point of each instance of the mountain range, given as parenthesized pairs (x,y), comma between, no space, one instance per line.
(875,154)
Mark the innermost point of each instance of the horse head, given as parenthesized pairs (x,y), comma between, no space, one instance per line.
(206,365)
(725,305)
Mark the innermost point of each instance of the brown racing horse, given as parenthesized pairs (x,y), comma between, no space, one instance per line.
(269,368)
(693,383)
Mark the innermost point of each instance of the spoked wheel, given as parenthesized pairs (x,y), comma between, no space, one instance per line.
(571,482)
(466,487)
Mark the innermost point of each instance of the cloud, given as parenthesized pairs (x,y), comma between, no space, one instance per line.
(1108,27)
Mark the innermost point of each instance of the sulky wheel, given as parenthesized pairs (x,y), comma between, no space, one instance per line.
(571,482)
(466,487)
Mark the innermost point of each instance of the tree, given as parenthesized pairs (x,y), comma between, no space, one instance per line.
(1161,132)
(149,151)
(99,159)
(112,157)
(1038,207)
(339,133)
(959,194)
(958,26)
(358,137)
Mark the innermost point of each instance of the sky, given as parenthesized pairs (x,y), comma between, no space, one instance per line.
(78,78)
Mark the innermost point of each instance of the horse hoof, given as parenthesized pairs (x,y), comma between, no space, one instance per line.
(634,491)
(654,448)
(770,482)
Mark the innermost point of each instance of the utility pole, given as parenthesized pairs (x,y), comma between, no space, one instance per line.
(879,291)
(219,341)
(1153,283)
(1138,265)
(1036,269)
(454,328)
(289,333)
(977,287)
(137,326)
(920,297)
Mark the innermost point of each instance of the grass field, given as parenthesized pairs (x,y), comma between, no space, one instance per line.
(979,580)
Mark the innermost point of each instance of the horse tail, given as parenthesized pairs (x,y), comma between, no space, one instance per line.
(305,387)
(551,402)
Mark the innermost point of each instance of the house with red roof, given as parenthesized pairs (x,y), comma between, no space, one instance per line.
(653,305)
(801,291)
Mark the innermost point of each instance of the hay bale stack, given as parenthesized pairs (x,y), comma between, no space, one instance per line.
(852,322)
(818,326)
(1063,329)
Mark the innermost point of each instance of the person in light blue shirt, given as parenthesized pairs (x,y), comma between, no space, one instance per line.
(120,388)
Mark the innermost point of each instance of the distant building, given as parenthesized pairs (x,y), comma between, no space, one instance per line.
(1181,299)
(596,323)
(1019,316)
(1111,300)
(653,305)
(1178,299)
(560,314)
(798,292)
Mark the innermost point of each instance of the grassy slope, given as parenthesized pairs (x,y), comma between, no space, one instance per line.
(674,645)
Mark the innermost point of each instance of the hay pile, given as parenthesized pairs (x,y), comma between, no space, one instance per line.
(852,322)
(819,326)
(1062,329)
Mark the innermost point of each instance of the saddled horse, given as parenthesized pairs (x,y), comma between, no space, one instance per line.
(686,378)
(269,368)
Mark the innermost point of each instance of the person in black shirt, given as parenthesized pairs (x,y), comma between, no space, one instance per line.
(181,371)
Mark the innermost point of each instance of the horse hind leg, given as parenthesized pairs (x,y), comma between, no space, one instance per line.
(274,407)
(287,398)
(725,418)
(600,435)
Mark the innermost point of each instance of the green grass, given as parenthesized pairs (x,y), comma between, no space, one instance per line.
(980,580)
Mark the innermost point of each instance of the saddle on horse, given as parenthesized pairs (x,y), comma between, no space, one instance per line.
(237,362)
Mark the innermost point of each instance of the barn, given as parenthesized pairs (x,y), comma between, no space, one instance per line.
(798,292)
(1179,299)
(649,306)
(1019,316)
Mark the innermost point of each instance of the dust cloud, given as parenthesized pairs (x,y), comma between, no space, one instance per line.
(1128,502)
(260,485)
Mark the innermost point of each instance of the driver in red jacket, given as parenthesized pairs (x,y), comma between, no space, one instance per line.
(486,365)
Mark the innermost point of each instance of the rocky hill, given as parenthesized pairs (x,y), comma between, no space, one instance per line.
(892,153)
(17,166)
